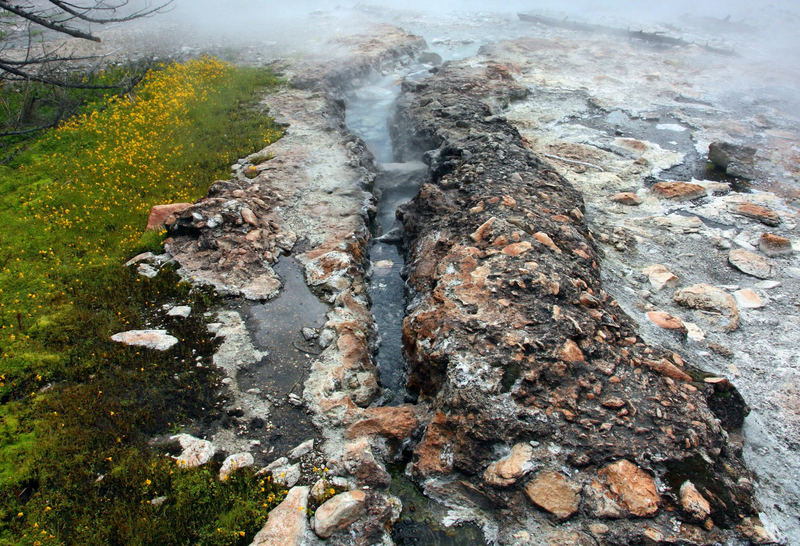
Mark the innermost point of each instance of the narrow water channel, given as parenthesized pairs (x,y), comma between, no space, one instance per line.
(368,110)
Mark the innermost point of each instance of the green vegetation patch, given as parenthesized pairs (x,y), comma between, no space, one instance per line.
(78,410)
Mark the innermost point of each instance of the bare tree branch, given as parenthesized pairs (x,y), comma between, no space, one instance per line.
(30,75)
(75,11)
(34,17)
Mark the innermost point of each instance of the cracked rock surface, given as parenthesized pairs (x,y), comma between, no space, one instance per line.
(511,338)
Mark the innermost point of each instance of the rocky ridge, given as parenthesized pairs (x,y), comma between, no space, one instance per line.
(513,341)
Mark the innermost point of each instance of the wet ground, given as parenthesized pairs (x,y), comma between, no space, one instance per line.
(277,328)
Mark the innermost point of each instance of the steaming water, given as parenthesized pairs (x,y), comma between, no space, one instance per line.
(367,114)
(368,110)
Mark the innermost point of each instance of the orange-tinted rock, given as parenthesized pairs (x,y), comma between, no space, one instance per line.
(660,277)
(693,502)
(570,352)
(667,369)
(429,455)
(249,217)
(752,529)
(509,470)
(679,190)
(633,488)
(160,213)
(626,198)
(398,422)
(338,512)
(756,212)
(552,492)
(664,320)
(517,248)
(478,234)
(774,245)
(545,239)
(748,299)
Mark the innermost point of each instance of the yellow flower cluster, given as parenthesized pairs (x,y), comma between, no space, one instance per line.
(128,152)
(89,184)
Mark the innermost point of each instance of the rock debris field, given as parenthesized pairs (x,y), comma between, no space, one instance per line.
(601,268)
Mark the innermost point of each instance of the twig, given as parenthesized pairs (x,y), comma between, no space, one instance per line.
(565,160)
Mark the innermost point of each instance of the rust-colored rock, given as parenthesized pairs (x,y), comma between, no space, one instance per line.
(553,492)
(506,350)
(396,422)
(570,352)
(626,198)
(764,215)
(430,455)
(634,489)
(774,245)
(679,191)
(159,214)
(662,319)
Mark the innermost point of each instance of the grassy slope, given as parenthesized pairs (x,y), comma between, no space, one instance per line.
(78,409)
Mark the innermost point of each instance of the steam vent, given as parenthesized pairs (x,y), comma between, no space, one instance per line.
(508,278)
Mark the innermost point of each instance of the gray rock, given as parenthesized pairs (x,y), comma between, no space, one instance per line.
(147,270)
(157,340)
(734,159)
(284,473)
(144,256)
(303,449)
(180,311)
(326,337)
(233,462)
(751,264)
(196,452)
(429,57)
(158,501)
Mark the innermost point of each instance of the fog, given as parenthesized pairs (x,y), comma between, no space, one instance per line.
(765,30)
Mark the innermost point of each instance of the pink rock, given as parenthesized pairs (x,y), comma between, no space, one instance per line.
(748,299)
(160,213)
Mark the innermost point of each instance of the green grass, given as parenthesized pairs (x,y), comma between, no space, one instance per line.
(77,409)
